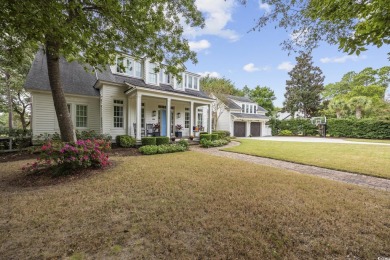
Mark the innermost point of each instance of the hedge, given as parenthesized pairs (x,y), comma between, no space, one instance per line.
(222,134)
(125,141)
(148,141)
(160,149)
(205,136)
(299,126)
(160,140)
(363,128)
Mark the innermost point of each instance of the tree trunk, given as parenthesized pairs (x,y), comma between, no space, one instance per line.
(358,113)
(63,116)
(338,114)
(10,115)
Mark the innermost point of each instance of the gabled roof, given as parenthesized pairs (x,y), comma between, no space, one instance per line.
(76,80)
(249,116)
(229,102)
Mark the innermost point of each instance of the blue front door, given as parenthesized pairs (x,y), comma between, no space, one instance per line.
(163,125)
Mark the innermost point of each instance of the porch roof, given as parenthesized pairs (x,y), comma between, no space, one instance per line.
(162,87)
(249,116)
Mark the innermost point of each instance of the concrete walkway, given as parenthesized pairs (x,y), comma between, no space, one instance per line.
(310,140)
(351,178)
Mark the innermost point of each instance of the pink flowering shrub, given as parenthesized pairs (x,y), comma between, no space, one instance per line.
(60,157)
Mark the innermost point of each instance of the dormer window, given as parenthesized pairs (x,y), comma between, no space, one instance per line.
(191,82)
(152,73)
(165,77)
(254,109)
(129,67)
(243,108)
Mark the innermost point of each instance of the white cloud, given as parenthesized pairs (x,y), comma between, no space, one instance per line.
(199,45)
(264,6)
(342,59)
(217,13)
(286,65)
(250,67)
(212,74)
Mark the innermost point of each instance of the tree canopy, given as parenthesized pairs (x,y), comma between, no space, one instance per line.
(303,90)
(91,32)
(352,25)
(264,97)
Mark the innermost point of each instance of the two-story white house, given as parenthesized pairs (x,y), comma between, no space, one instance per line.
(131,99)
(242,117)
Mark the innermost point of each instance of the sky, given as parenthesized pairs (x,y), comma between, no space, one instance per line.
(225,48)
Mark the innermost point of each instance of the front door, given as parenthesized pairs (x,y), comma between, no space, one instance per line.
(163,122)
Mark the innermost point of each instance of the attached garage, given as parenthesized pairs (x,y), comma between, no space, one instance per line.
(239,129)
(256,129)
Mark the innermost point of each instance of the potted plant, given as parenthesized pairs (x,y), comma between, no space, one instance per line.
(191,137)
(178,133)
(156,129)
(173,138)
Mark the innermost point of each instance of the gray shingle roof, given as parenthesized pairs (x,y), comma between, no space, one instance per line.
(246,116)
(240,99)
(163,87)
(74,79)
(232,105)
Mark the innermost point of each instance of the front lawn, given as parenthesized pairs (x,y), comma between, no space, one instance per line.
(191,205)
(359,158)
(368,140)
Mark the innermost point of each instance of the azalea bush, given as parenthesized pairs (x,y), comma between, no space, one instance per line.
(59,157)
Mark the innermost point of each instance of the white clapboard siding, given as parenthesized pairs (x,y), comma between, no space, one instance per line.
(108,94)
(44,116)
(224,121)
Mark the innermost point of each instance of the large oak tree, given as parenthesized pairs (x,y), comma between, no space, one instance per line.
(92,31)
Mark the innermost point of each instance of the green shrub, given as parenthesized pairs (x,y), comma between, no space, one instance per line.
(285,133)
(363,128)
(148,149)
(184,143)
(216,143)
(148,141)
(299,126)
(205,136)
(125,141)
(222,134)
(91,135)
(214,137)
(160,140)
(161,149)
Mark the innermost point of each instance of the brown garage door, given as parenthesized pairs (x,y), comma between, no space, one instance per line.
(239,129)
(255,129)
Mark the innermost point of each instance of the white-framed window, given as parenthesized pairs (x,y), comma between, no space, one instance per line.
(129,66)
(243,108)
(137,69)
(118,113)
(254,109)
(119,63)
(152,73)
(251,109)
(196,83)
(247,109)
(200,117)
(81,116)
(187,118)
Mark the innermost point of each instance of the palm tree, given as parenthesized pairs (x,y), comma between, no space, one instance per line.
(338,106)
(360,104)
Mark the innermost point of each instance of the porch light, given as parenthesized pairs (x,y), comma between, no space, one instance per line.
(178,115)
(154,113)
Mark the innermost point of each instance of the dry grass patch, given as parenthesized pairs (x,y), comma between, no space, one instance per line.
(371,160)
(191,205)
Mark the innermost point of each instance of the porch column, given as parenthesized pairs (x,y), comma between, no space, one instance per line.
(169,117)
(210,119)
(248,129)
(128,116)
(138,123)
(192,119)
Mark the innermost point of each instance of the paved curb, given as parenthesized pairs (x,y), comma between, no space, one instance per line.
(347,177)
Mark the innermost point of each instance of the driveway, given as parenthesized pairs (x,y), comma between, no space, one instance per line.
(309,140)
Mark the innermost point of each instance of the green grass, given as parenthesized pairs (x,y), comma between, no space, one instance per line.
(371,160)
(191,205)
(368,140)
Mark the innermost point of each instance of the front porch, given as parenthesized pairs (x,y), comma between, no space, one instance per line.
(158,114)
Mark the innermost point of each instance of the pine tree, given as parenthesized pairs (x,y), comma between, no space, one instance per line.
(304,87)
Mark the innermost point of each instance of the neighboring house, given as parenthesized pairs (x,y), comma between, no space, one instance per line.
(242,117)
(119,102)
